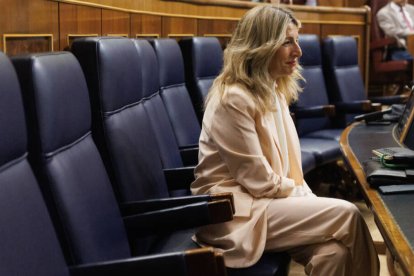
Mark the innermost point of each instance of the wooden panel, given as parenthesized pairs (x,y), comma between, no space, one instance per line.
(177,28)
(77,21)
(355,3)
(115,23)
(143,25)
(222,29)
(332,3)
(165,8)
(29,17)
(311,28)
(211,26)
(16,44)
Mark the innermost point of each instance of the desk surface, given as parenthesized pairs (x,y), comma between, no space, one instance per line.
(393,213)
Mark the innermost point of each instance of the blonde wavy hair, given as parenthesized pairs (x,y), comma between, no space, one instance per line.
(258,35)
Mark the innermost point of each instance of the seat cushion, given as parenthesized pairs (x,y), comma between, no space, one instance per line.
(324,150)
(308,161)
(332,134)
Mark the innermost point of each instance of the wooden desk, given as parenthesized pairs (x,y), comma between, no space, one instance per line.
(393,213)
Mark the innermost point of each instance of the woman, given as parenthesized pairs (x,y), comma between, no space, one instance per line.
(249,146)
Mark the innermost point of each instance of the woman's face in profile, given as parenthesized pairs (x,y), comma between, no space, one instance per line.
(285,60)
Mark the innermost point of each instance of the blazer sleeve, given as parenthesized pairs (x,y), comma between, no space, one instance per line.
(234,133)
(389,26)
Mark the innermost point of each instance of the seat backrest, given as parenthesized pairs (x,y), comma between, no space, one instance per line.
(25,225)
(174,92)
(314,89)
(59,121)
(203,60)
(344,79)
(114,74)
(342,73)
(154,106)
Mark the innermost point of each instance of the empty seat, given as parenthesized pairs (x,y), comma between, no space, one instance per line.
(344,79)
(203,60)
(313,113)
(174,92)
(26,226)
(131,124)
(76,183)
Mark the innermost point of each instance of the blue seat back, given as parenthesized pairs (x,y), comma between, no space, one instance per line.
(314,89)
(203,60)
(154,106)
(29,245)
(344,78)
(174,92)
(114,75)
(59,118)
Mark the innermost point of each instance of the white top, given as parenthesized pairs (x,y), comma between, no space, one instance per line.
(400,9)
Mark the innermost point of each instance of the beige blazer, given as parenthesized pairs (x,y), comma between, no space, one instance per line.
(240,153)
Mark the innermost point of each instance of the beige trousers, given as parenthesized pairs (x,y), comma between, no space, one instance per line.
(328,236)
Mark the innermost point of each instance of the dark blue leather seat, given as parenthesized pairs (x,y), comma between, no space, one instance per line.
(316,120)
(317,136)
(174,92)
(123,127)
(171,155)
(344,79)
(203,60)
(77,185)
(26,227)
(122,77)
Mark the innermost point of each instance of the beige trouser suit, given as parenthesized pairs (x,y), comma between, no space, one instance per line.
(256,156)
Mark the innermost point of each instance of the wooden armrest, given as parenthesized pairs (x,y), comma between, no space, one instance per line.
(220,210)
(220,196)
(329,110)
(198,259)
(376,106)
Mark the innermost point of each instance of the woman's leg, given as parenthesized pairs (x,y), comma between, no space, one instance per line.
(317,225)
(327,258)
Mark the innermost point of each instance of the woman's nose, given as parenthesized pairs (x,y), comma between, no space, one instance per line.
(297,52)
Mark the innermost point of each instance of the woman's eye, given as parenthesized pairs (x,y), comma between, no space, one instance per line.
(286,43)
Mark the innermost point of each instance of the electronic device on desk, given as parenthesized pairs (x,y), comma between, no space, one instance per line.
(374,117)
(377,175)
(396,189)
(404,130)
(394,167)
(395,157)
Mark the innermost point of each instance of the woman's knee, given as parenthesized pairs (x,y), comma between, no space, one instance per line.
(348,209)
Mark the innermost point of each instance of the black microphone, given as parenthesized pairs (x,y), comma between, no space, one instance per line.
(372,116)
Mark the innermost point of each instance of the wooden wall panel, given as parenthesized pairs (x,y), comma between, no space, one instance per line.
(36,17)
(311,28)
(115,23)
(78,21)
(222,29)
(144,25)
(176,27)
(16,44)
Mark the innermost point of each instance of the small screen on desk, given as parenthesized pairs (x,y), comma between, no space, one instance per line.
(404,130)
